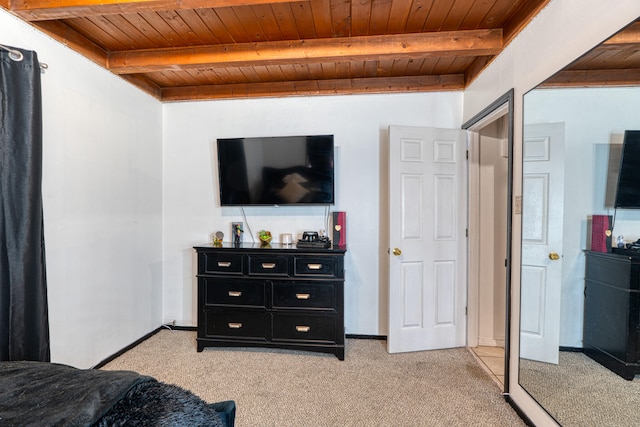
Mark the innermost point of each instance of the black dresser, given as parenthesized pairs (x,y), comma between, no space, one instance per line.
(612,311)
(271,296)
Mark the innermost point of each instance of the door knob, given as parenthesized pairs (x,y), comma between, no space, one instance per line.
(554,256)
(397,252)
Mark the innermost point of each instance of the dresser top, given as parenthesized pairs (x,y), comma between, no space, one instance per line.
(275,247)
(616,253)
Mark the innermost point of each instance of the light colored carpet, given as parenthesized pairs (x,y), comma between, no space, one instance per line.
(293,388)
(580,392)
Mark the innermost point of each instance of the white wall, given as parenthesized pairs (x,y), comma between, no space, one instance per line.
(359,123)
(594,120)
(102,185)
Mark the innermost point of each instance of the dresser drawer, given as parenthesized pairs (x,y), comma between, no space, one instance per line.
(304,295)
(233,292)
(236,323)
(305,327)
(315,266)
(270,265)
(220,263)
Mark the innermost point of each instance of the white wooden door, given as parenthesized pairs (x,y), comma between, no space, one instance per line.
(542,223)
(427,223)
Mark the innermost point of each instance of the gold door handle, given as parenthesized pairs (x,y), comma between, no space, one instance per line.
(554,256)
(397,252)
(303,329)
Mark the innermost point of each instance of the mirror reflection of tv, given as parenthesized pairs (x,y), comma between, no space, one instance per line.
(270,171)
(628,190)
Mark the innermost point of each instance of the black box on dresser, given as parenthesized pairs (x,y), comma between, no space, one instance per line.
(277,296)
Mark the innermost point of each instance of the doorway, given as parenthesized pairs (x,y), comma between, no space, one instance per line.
(488,278)
(490,177)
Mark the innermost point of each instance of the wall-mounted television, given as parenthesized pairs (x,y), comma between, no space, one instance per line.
(628,190)
(282,170)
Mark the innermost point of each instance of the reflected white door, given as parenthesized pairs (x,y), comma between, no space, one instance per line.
(542,217)
(427,223)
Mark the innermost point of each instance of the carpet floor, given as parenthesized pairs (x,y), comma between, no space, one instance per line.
(293,388)
(580,392)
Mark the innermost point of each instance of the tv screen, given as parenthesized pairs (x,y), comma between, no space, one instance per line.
(285,170)
(628,191)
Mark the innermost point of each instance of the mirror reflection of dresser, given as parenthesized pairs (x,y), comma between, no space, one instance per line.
(612,310)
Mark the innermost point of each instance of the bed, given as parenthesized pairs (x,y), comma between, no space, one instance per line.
(50,394)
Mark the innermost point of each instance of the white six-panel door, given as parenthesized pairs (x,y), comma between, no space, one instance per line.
(542,224)
(427,257)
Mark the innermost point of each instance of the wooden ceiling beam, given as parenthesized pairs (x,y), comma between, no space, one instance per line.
(71,38)
(316,87)
(43,10)
(593,78)
(627,38)
(630,35)
(295,52)
(476,67)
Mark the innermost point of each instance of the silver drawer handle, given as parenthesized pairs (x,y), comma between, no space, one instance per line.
(269,265)
(314,266)
(224,264)
(303,296)
(235,293)
(234,325)
(303,328)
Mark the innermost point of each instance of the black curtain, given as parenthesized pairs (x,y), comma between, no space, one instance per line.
(24,322)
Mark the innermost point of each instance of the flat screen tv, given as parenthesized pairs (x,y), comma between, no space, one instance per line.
(628,190)
(268,171)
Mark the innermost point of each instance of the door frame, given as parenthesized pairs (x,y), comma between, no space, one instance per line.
(502,106)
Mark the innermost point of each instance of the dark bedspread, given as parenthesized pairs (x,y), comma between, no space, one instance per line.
(49,394)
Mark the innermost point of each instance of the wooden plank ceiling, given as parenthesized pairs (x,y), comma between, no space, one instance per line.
(195,49)
(614,62)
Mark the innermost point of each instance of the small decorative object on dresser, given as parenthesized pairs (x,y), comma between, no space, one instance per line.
(286,239)
(276,296)
(601,233)
(218,238)
(237,229)
(339,228)
(264,236)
